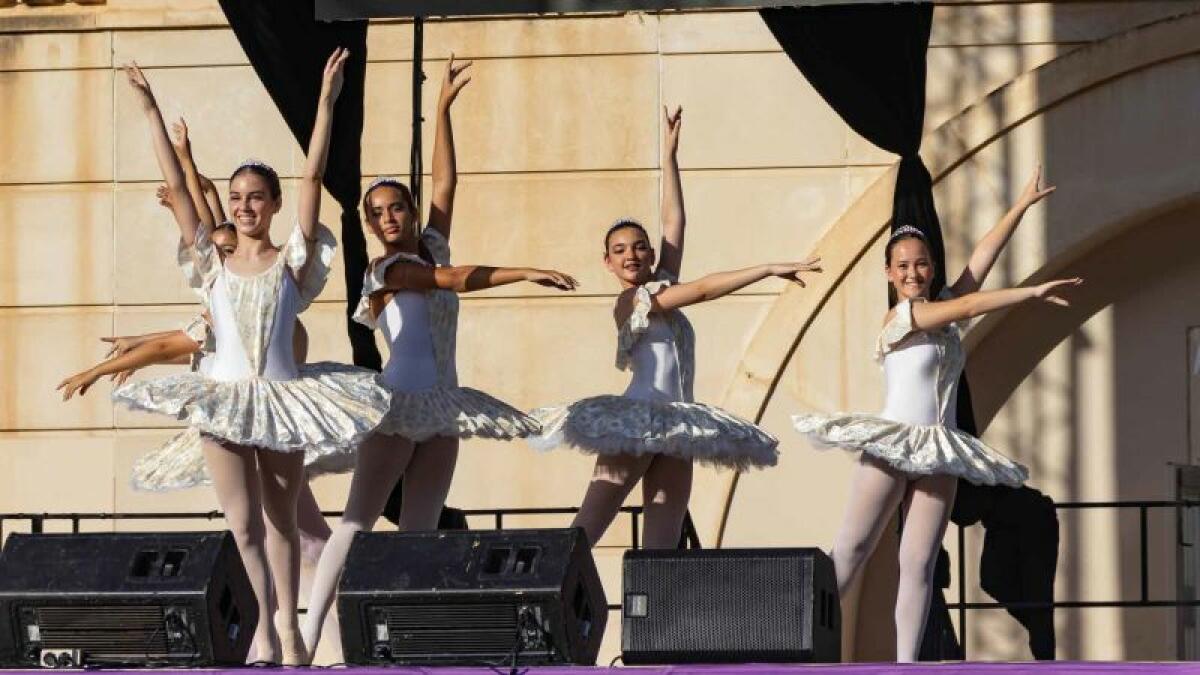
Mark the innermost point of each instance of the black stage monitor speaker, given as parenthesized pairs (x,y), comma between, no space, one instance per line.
(471,597)
(730,606)
(151,600)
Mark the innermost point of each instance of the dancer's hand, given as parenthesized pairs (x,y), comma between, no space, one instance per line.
(164,195)
(1046,291)
(137,80)
(792,271)
(334,76)
(119,345)
(120,378)
(179,138)
(453,82)
(1034,191)
(80,382)
(551,279)
(672,123)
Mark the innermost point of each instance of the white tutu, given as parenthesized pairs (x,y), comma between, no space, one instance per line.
(328,410)
(459,412)
(913,448)
(617,425)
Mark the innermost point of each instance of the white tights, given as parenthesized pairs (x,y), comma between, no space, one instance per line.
(666,488)
(250,482)
(875,492)
(427,469)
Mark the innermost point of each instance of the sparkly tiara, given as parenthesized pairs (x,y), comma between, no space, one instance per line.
(386,180)
(906,231)
(257,164)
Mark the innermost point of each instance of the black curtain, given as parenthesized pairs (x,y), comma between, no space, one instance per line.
(288,48)
(868,63)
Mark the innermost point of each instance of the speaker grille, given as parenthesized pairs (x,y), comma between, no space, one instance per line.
(751,605)
(104,631)
(463,630)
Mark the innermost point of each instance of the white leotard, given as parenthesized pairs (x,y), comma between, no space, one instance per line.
(411,365)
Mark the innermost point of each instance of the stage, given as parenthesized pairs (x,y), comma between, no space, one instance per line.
(1043,667)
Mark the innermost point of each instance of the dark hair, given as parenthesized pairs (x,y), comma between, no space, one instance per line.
(405,194)
(409,203)
(902,233)
(622,224)
(228,226)
(262,171)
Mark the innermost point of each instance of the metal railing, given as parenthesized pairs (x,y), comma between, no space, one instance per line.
(1143,509)
(37,523)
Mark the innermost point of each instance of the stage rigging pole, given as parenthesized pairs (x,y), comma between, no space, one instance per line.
(418,78)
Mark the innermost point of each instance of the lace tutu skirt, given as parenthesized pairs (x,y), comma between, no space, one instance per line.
(912,448)
(617,425)
(459,412)
(325,412)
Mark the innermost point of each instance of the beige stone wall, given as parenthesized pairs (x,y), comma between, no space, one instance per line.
(558,135)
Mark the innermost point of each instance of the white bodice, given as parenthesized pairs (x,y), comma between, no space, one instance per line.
(921,370)
(420,327)
(660,348)
(654,361)
(254,316)
(236,357)
(411,365)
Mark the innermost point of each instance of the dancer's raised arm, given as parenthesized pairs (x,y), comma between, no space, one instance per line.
(445,169)
(713,286)
(192,178)
(983,257)
(309,206)
(674,219)
(932,315)
(181,203)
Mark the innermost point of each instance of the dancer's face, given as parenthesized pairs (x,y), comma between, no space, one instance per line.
(629,256)
(225,240)
(910,269)
(391,218)
(251,204)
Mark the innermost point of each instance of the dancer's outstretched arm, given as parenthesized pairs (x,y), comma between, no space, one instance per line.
(674,218)
(123,343)
(180,200)
(159,350)
(714,286)
(989,247)
(445,169)
(933,315)
(309,207)
(192,178)
(466,278)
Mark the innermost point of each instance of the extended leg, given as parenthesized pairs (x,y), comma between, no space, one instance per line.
(234,472)
(612,480)
(875,491)
(427,482)
(666,488)
(314,531)
(282,478)
(381,461)
(929,502)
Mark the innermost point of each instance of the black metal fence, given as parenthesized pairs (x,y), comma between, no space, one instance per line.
(1143,509)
